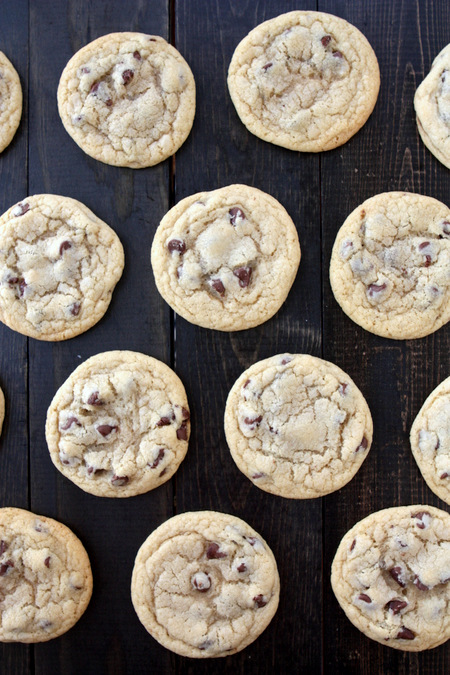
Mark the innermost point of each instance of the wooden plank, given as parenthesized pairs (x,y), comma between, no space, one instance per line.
(395,376)
(132,202)
(220,151)
(14,659)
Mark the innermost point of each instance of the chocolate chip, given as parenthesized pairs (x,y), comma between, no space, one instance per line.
(47,561)
(22,286)
(326,40)
(163,472)
(18,281)
(94,87)
(353,544)
(118,481)
(287,359)
(64,247)
(218,286)
(443,475)
(109,102)
(105,429)
(242,568)
(363,445)
(185,414)
(396,606)
(396,574)
(243,274)
(3,546)
(5,567)
(236,214)
(201,582)
(419,584)
(258,475)
(69,422)
(255,421)
(158,459)
(163,422)
(206,644)
(405,634)
(127,76)
(247,382)
(182,431)
(94,399)
(259,600)
(21,209)
(75,309)
(212,552)
(85,70)
(337,55)
(446,227)
(376,288)
(267,66)
(45,623)
(419,515)
(423,245)
(137,55)
(177,245)
(364,598)
(342,387)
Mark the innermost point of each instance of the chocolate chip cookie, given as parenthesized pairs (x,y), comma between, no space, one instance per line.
(59,265)
(10,101)
(127,99)
(119,426)
(390,264)
(391,576)
(304,80)
(226,259)
(430,440)
(205,584)
(297,426)
(432,104)
(45,577)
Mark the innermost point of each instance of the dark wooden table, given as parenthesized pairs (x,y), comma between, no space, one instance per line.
(310,633)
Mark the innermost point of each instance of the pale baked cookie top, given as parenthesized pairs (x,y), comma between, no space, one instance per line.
(2,409)
(390,265)
(391,576)
(297,426)
(226,259)
(430,440)
(432,104)
(119,425)
(127,99)
(205,584)
(59,265)
(304,80)
(10,101)
(45,577)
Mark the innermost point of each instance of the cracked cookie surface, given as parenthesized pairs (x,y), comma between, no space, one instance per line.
(432,105)
(205,584)
(297,426)
(127,99)
(45,577)
(430,440)
(304,80)
(59,265)
(119,425)
(226,259)
(10,101)
(391,576)
(390,265)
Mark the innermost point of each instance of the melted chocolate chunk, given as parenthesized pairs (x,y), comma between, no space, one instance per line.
(419,584)
(161,454)
(423,245)
(396,606)
(118,481)
(21,209)
(342,387)
(64,247)
(20,282)
(177,245)
(213,553)
(5,567)
(47,561)
(236,214)
(94,399)
(443,475)
(3,546)
(137,55)
(405,634)
(326,40)
(182,431)
(75,309)
(419,515)
(105,429)
(258,475)
(163,422)
(94,88)
(337,54)
(363,445)
(218,286)
(201,582)
(109,102)
(69,422)
(259,600)
(267,66)
(396,574)
(243,274)
(255,421)
(127,76)
(376,288)
(353,544)
(364,598)
(185,414)
(242,568)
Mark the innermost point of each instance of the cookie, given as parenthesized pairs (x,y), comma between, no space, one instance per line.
(389,265)
(304,80)
(391,576)
(45,577)
(2,410)
(10,101)
(127,99)
(119,425)
(226,259)
(297,426)
(205,584)
(432,105)
(430,440)
(59,265)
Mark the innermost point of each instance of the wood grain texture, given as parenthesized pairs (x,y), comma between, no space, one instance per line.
(309,634)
